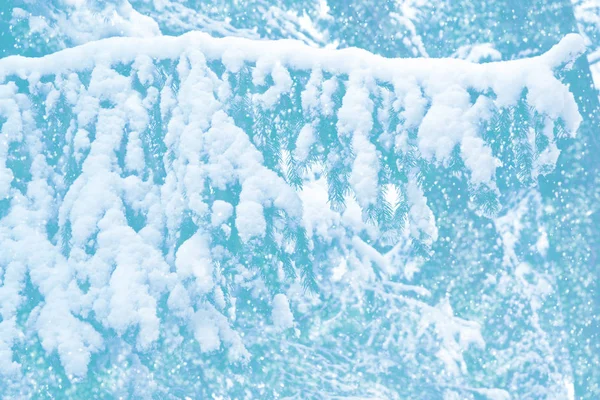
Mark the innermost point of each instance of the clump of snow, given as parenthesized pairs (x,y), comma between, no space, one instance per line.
(478,53)
(281,314)
(355,119)
(422,221)
(221,212)
(282,84)
(306,138)
(193,259)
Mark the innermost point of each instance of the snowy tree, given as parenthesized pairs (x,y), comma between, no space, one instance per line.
(570,192)
(243,218)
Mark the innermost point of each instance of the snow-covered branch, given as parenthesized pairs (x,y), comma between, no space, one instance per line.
(143,173)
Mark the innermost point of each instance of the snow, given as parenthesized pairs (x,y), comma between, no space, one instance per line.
(281,79)
(99,272)
(478,53)
(452,120)
(524,73)
(355,119)
(221,212)
(306,138)
(422,220)
(193,259)
(76,23)
(281,314)
(206,332)
(443,81)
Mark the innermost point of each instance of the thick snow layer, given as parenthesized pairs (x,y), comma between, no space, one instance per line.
(444,82)
(134,171)
(451,120)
